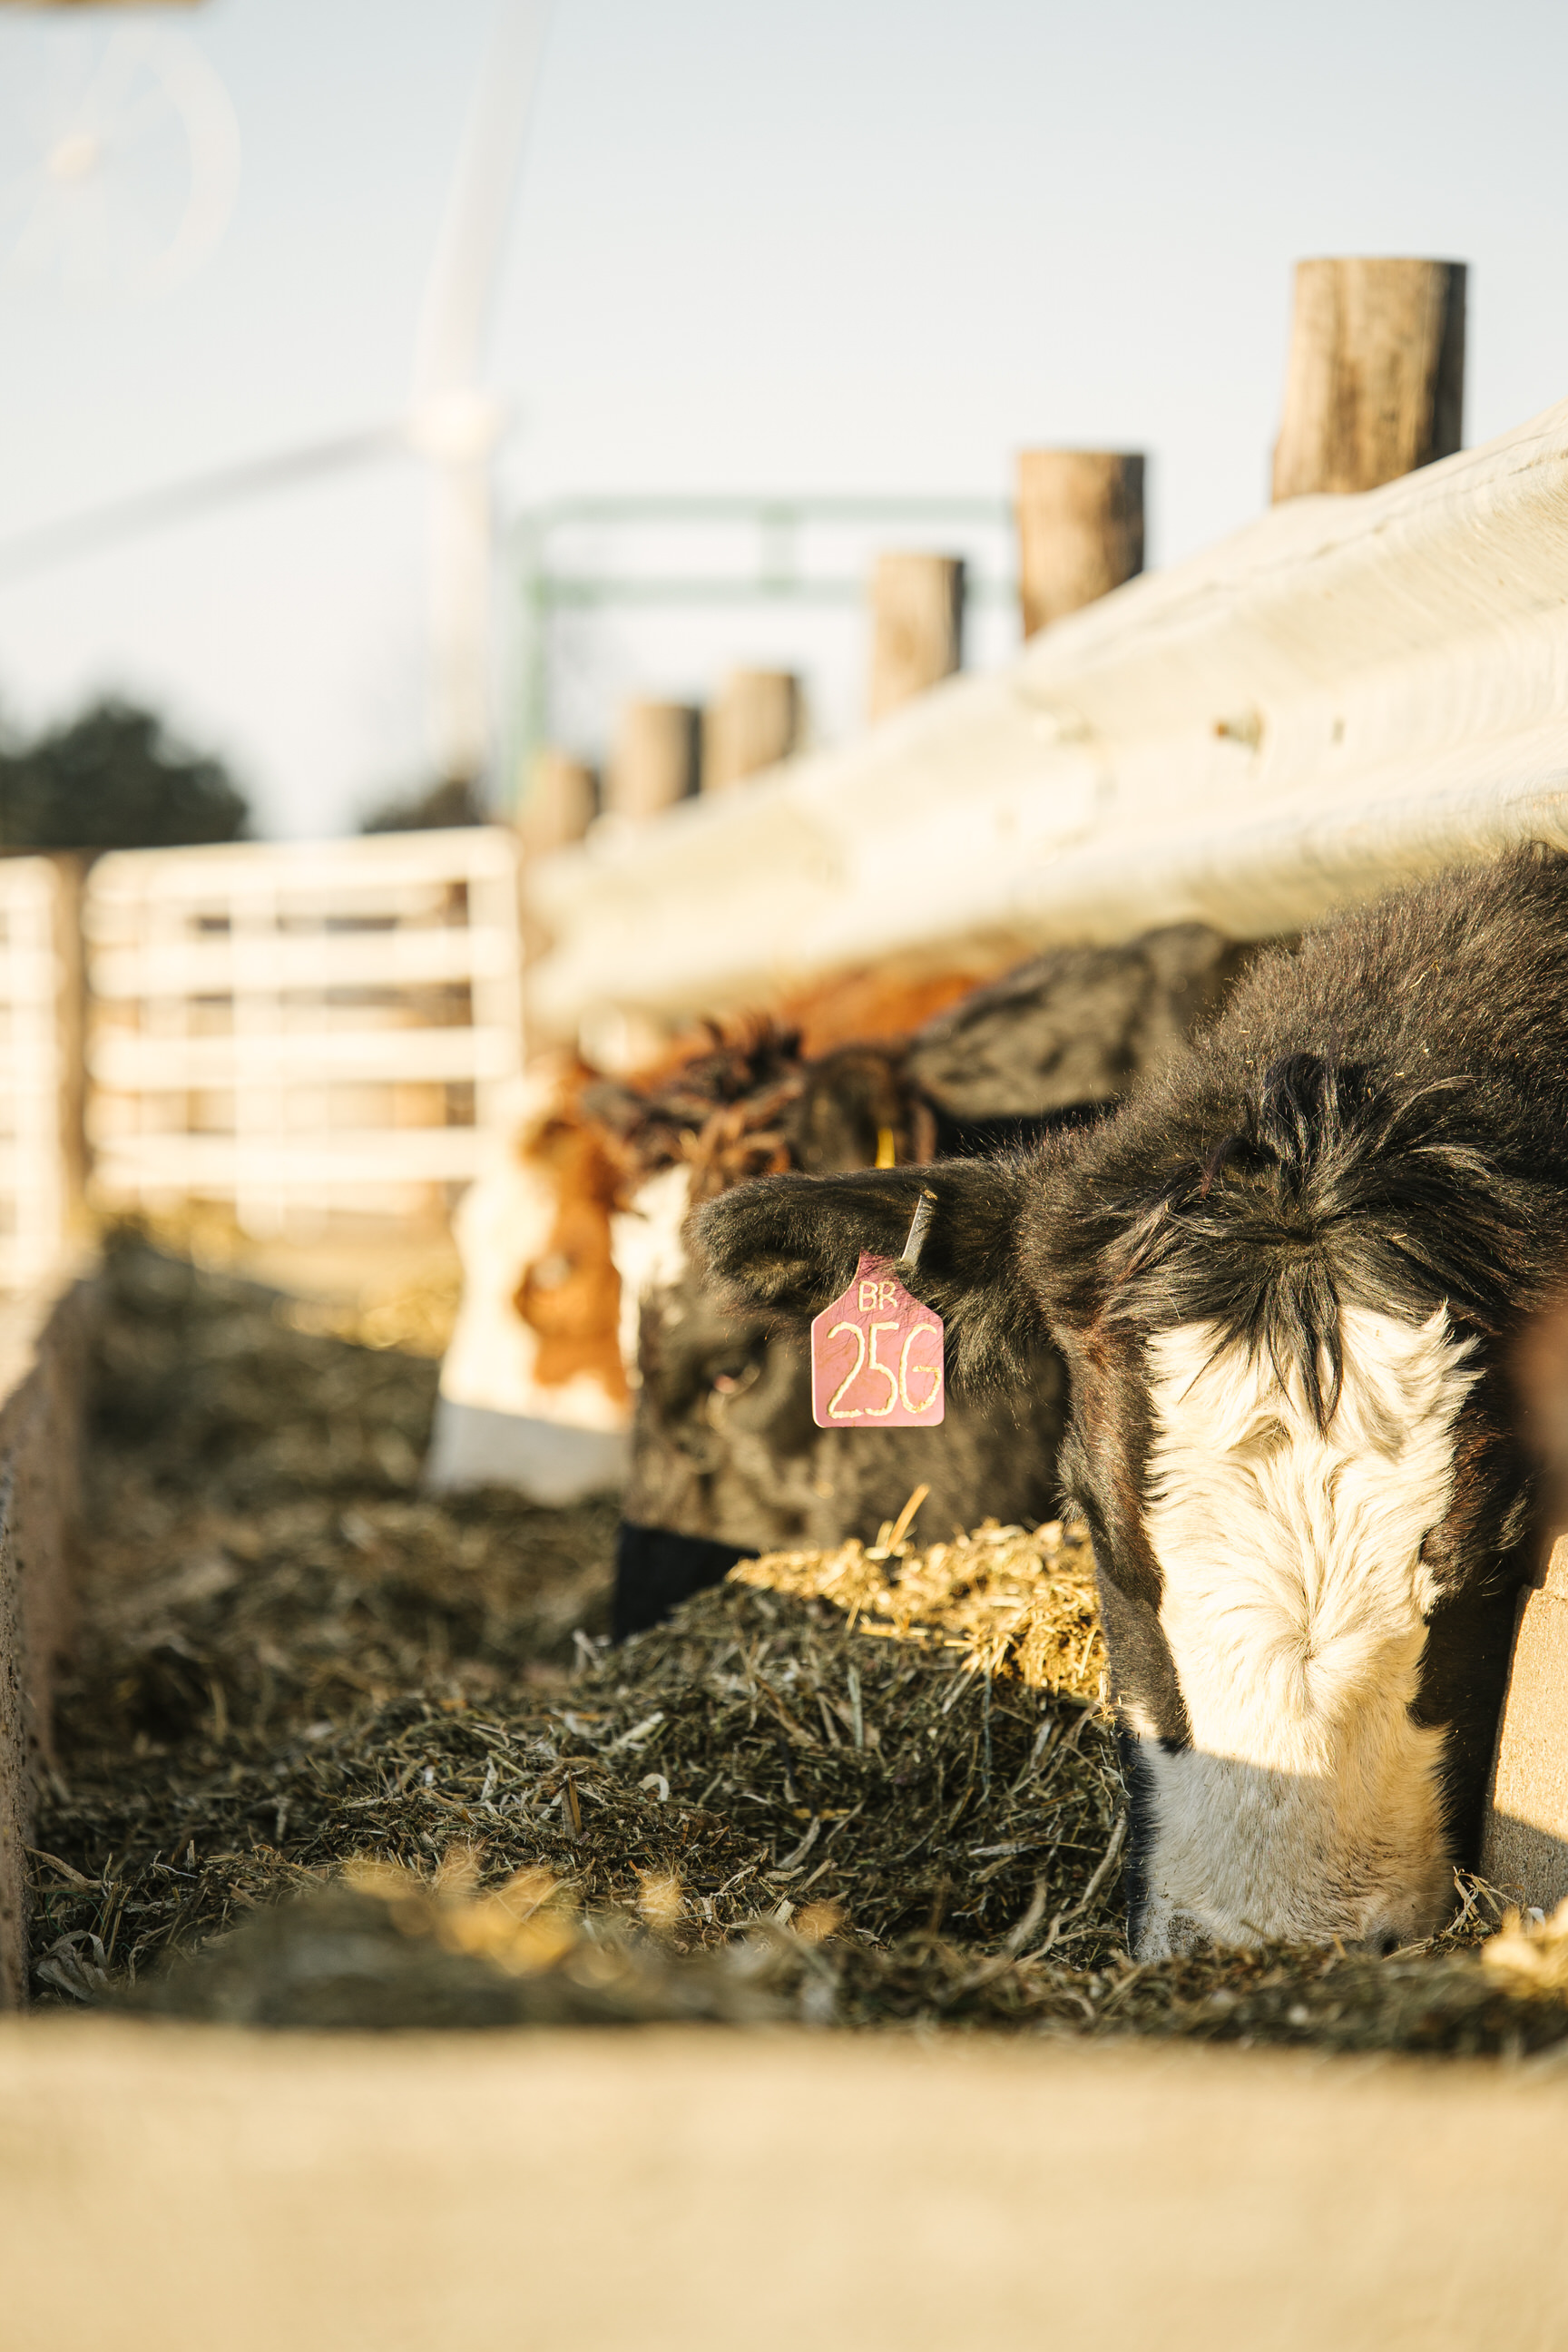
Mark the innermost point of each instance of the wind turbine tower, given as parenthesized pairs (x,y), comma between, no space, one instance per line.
(455,421)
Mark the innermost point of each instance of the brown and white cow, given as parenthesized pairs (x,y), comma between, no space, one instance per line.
(579,1295)
(1292,1279)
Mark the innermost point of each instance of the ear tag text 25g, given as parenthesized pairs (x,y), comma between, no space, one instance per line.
(876,1357)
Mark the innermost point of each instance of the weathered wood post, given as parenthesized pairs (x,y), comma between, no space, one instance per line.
(44,1368)
(654,762)
(1375,381)
(917,625)
(1080,529)
(562,803)
(70,1030)
(1524,1838)
(754,723)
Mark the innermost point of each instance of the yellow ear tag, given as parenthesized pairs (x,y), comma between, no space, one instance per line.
(887,1150)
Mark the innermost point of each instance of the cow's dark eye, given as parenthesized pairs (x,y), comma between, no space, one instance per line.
(729,1379)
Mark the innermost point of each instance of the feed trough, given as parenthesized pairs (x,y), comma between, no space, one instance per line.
(874,1785)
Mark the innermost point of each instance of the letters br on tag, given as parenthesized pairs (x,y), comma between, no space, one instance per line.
(876,1357)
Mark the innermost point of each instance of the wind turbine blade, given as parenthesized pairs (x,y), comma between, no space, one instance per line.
(177,502)
(461,287)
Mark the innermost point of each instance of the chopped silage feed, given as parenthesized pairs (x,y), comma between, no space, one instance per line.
(337,1753)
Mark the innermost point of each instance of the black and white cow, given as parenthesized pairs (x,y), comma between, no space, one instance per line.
(726,1458)
(726,1455)
(1291,1280)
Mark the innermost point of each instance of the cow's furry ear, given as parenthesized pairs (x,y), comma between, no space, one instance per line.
(787,1246)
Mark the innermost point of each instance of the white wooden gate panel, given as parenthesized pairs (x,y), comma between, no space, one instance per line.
(300,1028)
(37,1042)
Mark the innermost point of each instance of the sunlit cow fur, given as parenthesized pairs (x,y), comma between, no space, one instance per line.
(1291,1280)
(726,1458)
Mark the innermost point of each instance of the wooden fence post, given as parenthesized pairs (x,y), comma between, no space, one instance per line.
(70,967)
(1375,381)
(563,803)
(753,724)
(1080,529)
(917,625)
(1524,1829)
(654,763)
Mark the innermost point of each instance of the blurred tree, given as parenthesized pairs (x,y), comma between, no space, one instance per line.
(112,779)
(457,802)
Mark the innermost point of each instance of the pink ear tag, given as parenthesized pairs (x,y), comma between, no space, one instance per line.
(876,1357)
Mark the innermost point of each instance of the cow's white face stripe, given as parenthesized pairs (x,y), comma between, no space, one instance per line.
(648,1249)
(1294,1601)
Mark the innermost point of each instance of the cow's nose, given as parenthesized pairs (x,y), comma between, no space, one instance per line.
(1188,1937)
(1378,1942)
(1170,1936)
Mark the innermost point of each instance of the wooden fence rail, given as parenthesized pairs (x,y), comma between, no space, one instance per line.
(299,1029)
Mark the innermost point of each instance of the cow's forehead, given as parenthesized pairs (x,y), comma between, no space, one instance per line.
(1399,1378)
(646,1238)
(1293,1603)
(1277,1527)
(1281,1539)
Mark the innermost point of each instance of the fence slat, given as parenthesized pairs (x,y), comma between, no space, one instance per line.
(129,1062)
(37,906)
(270,962)
(296,1027)
(219,1164)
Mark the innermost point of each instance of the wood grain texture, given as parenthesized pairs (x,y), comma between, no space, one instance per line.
(1080,529)
(654,762)
(43,1373)
(562,803)
(917,626)
(1374,383)
(752,724)
(421,2192)
(1524,1835)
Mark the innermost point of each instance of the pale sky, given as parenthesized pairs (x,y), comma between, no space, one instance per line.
(837,245)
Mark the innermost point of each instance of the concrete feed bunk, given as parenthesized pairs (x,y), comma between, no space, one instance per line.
(43,1352)
(604,2191)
